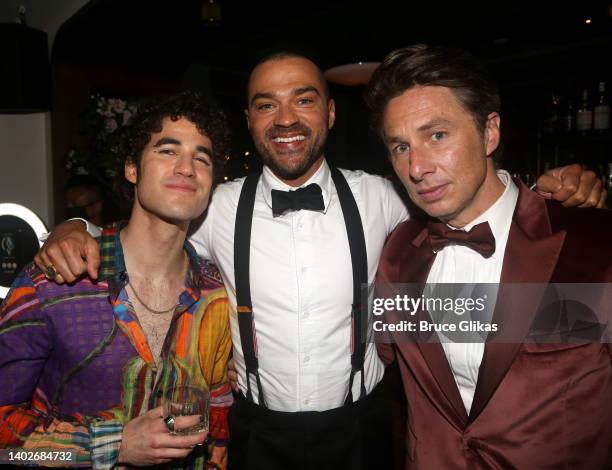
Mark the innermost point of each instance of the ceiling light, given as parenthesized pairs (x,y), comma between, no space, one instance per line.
(211,12)
(357,74)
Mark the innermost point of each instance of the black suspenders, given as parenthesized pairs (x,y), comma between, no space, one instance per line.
(359,262)
(242,254)
(242,248)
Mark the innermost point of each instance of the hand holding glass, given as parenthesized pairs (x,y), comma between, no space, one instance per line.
(189,408)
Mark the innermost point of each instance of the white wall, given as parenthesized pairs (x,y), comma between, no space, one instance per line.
(25,139)
(25,153)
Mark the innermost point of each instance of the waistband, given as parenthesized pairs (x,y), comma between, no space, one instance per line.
(335,416)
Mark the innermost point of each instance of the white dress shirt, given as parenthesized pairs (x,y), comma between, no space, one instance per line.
(460,264)
(301,285)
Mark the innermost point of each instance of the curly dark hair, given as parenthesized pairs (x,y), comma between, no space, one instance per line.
(208,118)
(429,65)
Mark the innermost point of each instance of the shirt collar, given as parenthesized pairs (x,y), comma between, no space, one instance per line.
(322,177)
(113,270)
(499,215)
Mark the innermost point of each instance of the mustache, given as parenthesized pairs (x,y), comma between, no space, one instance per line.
(280,131)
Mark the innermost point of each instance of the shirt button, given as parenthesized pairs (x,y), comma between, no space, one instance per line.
(305,314)
(306,402)
(306,358)
(304,269)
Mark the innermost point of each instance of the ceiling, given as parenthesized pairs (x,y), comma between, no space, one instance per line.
(162,35)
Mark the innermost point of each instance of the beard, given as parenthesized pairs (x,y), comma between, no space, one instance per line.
(299,161)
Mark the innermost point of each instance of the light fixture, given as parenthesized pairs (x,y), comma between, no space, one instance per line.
(357,74)
(211,12)
(20,232)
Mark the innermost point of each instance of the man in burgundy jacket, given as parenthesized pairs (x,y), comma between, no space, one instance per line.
(498,404)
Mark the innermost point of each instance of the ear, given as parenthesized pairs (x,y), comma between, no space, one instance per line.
(331,113)
(492,133)
(130,171)
(246,113)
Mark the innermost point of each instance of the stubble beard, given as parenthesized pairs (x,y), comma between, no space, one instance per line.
(302,160)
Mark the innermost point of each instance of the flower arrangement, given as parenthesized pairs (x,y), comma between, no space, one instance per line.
(101,125)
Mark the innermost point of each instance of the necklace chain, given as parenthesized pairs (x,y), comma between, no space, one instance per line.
(158,312)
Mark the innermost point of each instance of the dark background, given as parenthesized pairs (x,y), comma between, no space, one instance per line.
(136,48)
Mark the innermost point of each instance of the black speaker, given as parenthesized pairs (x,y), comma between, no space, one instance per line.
(25,74)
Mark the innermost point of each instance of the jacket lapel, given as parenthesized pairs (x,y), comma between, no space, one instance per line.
(416,263)
(531,255)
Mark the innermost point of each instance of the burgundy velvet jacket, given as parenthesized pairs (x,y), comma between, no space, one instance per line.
(536,405)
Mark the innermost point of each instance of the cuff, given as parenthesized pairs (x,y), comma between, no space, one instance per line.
(92,229)
(105,443)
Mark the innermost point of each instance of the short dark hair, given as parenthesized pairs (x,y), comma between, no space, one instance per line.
(148,120)
(288,54)
(427,65)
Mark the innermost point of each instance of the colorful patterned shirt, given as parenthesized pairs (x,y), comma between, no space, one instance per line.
(75,365)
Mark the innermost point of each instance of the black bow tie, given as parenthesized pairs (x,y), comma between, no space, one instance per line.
(309,197)
(479,239)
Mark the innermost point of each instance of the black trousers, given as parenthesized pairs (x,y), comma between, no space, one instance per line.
(352,437)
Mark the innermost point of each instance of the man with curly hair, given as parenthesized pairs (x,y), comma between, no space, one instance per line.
(89,363)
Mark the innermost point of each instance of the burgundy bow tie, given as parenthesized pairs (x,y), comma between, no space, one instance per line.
(479,239)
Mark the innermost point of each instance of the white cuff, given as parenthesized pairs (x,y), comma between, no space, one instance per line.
(92,229)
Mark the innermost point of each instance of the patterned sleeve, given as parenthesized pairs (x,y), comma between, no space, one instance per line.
(215,345)
(26,419)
